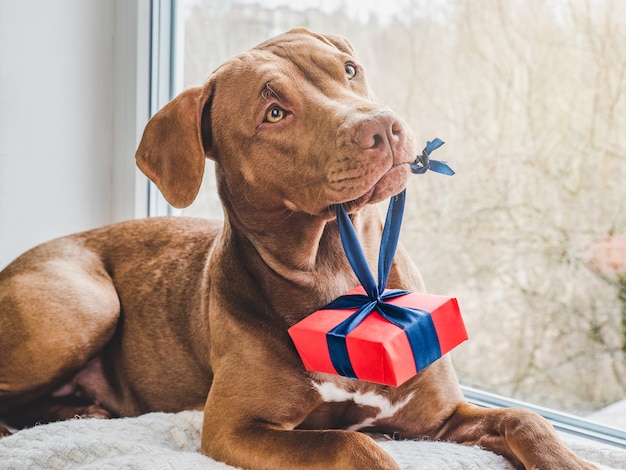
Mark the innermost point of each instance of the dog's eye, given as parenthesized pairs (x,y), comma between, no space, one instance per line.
(350,70)
(275,114)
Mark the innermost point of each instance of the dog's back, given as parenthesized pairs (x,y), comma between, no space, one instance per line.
(64,300)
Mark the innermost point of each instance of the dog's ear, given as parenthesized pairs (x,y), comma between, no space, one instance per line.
(175,143)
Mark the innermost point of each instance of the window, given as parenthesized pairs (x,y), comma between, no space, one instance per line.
(530,235)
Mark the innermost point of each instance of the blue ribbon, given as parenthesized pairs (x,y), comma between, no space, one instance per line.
(423,162)
(417,324)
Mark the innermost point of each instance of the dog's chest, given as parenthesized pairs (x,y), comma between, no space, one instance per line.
(353,410)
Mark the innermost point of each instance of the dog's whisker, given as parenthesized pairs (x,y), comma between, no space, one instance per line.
(269,93)
(288,214)
(310,182)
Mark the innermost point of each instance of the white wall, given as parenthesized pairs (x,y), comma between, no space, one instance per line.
(73,75)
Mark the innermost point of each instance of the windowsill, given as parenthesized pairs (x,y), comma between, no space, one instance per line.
(572,429)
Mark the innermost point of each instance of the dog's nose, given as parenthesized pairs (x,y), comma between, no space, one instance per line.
(382,132)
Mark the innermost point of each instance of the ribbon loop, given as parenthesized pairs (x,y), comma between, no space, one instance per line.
(389,241)
(354,252)
(388,245)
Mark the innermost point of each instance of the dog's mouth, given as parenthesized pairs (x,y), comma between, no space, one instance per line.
(390,183)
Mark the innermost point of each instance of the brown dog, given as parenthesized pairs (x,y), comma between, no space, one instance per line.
(157,314)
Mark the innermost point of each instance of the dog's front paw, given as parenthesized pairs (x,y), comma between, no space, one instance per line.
(63,411)
(91,411)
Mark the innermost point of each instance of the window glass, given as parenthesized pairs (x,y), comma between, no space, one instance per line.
(530,235)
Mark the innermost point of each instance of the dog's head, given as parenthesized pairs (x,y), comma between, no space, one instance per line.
(291,125)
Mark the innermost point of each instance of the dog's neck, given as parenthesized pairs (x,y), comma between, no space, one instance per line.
(303,251)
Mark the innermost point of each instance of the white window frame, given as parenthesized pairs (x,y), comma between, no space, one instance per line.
(132,76)
(165,78)
(166,45)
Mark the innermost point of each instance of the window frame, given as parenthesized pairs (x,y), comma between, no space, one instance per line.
(165,79)
(565,424)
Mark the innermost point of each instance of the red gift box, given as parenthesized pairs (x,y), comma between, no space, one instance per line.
(379,351)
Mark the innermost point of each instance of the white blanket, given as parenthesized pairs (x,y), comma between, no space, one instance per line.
(172,441)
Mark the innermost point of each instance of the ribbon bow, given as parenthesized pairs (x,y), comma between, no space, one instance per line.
(423,162)
(417,324)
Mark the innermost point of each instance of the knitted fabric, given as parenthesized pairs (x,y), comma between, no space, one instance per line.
(172,441)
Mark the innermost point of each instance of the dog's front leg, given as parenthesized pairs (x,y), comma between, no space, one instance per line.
(263,446)
(522,436)
(251,426)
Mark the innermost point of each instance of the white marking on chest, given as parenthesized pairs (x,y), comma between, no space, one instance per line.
(330,392)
